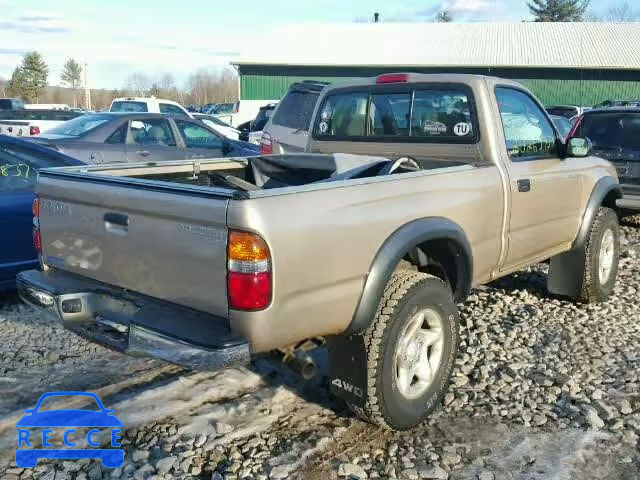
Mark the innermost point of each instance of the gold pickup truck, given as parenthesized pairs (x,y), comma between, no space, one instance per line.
(460,180)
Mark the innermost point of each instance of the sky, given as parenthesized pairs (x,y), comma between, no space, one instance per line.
(121,37)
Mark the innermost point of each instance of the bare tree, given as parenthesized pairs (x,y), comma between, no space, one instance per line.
(622,13)
(205,86)
(138,84)
(4,86)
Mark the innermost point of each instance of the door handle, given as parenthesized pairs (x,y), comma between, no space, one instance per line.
(116,223)
(143,153)
(117,219)
(524,185)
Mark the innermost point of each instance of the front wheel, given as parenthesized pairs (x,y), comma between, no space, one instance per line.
(411,347)
(602,252)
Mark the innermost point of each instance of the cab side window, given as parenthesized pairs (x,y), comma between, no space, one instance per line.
(528,132)
(196,136)
(152,131)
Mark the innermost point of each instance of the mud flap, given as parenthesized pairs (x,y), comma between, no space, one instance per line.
(348,368)
(566,272)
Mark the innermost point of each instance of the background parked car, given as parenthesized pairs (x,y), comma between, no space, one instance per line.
(20,161)
(137,137)
(25,123)
(562,124)
(288,128)
(252,131)
(237,113)
(218,125)
(147,104)
(618,103)
(615,135)
(566,111)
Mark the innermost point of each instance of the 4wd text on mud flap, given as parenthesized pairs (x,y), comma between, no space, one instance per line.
(347,387)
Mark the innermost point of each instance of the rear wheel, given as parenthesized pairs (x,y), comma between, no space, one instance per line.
(602,252)
(411,347)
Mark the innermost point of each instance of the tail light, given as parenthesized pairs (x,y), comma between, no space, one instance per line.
(37,239)
(35,208)
(393,78)
(576,127)
(34,130)
(266,147)
(249,276)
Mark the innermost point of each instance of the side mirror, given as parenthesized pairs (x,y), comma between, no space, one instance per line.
(578,147)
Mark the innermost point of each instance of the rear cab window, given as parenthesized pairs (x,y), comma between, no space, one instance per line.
(128,106)
(169,108)
(295,109)
(425,113)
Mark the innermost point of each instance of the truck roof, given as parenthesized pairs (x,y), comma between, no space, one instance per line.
(409,77)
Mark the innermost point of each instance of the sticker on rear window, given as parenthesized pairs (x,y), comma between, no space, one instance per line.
(323,127)
(461,129)
(434,128)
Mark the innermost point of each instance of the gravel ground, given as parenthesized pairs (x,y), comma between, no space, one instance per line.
(543,389)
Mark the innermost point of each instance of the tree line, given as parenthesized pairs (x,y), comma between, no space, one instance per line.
(29,81)
(568,11)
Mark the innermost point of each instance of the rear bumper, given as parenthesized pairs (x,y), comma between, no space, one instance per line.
(134,324)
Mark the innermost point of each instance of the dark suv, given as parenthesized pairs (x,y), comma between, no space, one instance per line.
(615,134)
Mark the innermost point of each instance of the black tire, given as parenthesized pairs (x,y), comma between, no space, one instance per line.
(404,294)
(593,289)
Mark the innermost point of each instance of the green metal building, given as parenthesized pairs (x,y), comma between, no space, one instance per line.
(562,63)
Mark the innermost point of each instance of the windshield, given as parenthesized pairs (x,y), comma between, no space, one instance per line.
(612,130)
(80,125)
(128,106)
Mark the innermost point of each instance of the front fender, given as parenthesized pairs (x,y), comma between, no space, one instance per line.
(566,270)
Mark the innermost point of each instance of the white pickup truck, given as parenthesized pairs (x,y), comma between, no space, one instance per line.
(26,123)
(147,105)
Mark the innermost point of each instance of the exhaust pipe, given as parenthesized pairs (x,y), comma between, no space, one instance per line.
(301,363)
(297,357)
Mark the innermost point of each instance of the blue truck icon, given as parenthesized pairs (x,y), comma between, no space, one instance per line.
(67,419)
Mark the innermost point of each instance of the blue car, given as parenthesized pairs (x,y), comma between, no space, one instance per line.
(20,161)
(69,420)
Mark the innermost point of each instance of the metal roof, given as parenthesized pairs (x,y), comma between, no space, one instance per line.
(597,45)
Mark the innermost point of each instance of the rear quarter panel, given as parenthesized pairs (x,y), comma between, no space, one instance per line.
(323,242)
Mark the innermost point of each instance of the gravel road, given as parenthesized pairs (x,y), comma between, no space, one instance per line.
(543,389)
